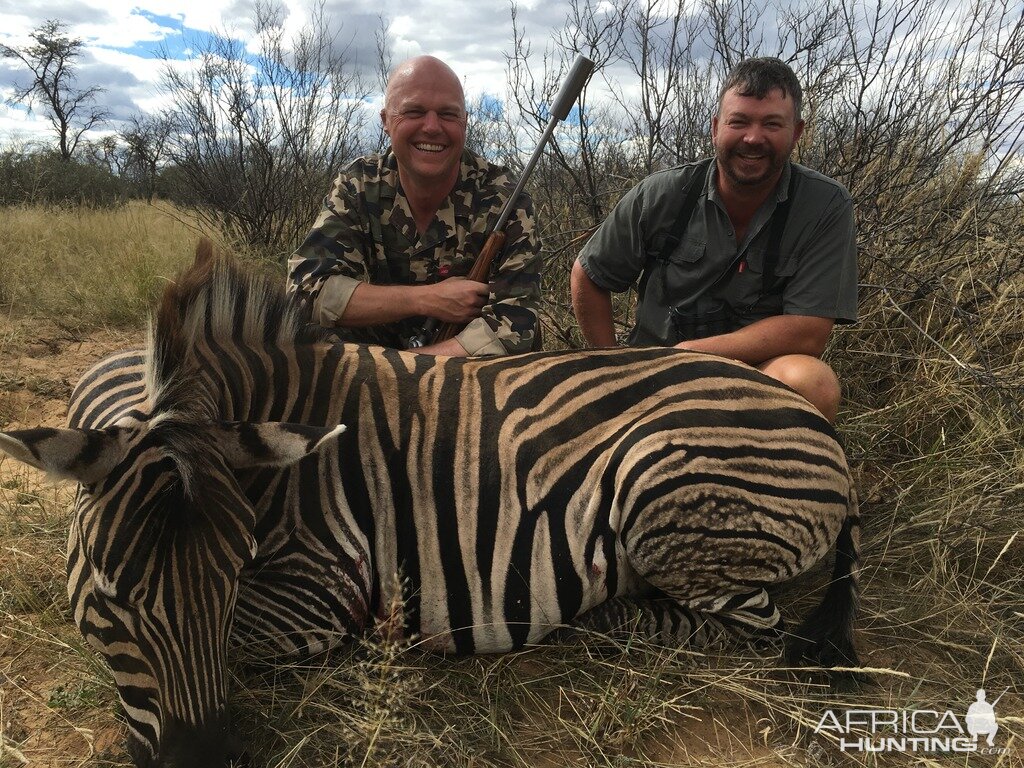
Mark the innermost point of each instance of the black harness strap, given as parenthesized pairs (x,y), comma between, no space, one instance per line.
(660,258)
(769,279)
(697,183)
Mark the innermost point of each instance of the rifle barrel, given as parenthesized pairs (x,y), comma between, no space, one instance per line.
(567,95)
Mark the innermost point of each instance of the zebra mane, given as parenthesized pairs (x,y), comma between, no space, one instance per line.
(214,302)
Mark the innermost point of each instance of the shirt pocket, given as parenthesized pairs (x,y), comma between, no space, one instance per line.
(747,292)
(663,247)
(681,266)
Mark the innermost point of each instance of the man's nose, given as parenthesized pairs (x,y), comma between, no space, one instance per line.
(753,135)
(431,121)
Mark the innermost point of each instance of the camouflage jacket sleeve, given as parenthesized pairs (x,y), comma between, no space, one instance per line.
(335,256)
(509,322)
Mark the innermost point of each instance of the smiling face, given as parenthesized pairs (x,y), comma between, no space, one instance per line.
(425,116)
(754,137)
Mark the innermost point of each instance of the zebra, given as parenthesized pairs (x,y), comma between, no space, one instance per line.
(247,479)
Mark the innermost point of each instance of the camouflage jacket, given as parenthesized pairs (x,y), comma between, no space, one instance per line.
(366,233)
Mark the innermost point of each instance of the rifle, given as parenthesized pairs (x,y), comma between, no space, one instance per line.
(567,94)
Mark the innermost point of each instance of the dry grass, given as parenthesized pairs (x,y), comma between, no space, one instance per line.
(934,430)
(84,268)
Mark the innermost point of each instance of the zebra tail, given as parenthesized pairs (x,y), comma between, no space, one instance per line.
(825,637)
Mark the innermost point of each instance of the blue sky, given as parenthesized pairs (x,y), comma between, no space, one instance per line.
(122,41)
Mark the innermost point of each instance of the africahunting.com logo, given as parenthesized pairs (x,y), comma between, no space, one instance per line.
(915,730)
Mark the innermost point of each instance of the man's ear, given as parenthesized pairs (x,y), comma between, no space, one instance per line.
(798,130)
(83,455)
(269,444)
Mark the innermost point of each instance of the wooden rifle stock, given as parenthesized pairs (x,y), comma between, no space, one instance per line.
(480,272)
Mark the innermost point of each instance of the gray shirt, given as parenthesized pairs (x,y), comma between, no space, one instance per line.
(816,268)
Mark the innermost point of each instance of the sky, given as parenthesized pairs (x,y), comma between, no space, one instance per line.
(122,38)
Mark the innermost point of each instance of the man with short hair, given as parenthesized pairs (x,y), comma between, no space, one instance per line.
(399,231)
(746,255)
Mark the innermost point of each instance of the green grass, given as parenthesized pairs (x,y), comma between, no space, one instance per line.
(85,268)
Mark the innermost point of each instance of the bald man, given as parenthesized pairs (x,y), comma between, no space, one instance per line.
(400,230)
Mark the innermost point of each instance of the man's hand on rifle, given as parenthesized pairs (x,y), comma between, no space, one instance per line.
(455,300)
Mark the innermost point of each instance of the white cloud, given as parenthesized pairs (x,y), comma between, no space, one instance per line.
(120,36)
(129,30)
(144,68)
(19,127)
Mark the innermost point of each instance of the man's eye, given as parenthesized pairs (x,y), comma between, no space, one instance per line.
(413,113)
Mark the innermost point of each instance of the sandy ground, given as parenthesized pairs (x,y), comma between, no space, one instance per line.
(53,710)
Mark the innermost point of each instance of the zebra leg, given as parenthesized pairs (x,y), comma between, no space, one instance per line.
(672,622)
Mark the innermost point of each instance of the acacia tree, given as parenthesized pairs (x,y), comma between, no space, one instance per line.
(51,60)
(146,137)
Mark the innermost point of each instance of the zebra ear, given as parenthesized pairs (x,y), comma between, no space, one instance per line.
(83,455)
(269,444)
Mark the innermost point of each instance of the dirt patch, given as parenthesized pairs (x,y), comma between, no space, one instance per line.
(40,363)
(56,702)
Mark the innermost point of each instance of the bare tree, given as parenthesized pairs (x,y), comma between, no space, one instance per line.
(735,29)
(668,117)
(51,60)
(106,153)
(383,71)
(928,110)
(490,132)
(575,158)
(258,138)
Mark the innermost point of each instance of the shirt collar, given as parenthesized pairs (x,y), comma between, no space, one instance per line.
(469,170)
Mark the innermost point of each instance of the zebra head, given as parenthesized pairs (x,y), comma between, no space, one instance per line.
(161,533)
(162,528)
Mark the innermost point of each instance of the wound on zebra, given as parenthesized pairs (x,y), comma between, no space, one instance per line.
(221,504)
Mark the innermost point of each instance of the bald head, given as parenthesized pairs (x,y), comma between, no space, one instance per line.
(424,115)
(423,72)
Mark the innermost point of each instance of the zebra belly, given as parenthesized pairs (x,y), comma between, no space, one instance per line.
(503,608)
